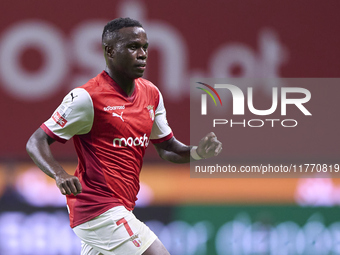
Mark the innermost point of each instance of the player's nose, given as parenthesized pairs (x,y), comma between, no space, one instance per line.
(142,53)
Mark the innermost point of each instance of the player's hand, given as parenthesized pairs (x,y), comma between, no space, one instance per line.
(68,184)
(209,146)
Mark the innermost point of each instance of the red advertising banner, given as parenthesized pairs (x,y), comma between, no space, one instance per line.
(47,48)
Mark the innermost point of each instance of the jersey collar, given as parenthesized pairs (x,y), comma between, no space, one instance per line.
(117,88)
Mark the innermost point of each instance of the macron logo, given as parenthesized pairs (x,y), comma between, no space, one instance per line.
(142,141)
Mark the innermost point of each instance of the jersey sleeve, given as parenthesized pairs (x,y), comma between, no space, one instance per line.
(74,116)
(161,130)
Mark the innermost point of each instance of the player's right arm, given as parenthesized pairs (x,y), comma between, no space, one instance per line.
(38,147)
(74,116)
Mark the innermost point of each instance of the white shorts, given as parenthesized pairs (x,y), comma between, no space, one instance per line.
(115,232)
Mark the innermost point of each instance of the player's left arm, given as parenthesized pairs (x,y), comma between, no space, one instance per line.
(174,151)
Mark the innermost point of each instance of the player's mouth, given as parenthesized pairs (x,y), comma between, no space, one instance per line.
(141,66)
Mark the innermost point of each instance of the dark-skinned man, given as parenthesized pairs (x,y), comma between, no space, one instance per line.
(112,119)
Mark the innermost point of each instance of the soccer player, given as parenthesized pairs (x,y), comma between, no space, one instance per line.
(112,118)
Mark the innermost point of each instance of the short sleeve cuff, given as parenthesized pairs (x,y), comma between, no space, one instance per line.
(163,139)
(51,134)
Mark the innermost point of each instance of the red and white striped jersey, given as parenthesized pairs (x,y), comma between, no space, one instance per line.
(110,132)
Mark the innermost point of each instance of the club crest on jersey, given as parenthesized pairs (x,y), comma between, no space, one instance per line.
(151,112)
(136,240)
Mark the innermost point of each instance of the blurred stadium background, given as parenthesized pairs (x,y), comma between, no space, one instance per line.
(49,47)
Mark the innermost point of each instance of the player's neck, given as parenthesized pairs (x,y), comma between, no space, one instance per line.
(126,84)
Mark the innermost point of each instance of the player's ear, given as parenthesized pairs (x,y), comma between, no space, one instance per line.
(109,51)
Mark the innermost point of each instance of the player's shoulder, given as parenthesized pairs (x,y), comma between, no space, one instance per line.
(93,85)
(151,90)
(147,84)
(78,98)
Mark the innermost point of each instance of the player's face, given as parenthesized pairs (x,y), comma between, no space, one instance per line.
(130,53)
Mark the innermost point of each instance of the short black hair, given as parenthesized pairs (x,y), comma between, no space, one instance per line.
(114,25)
